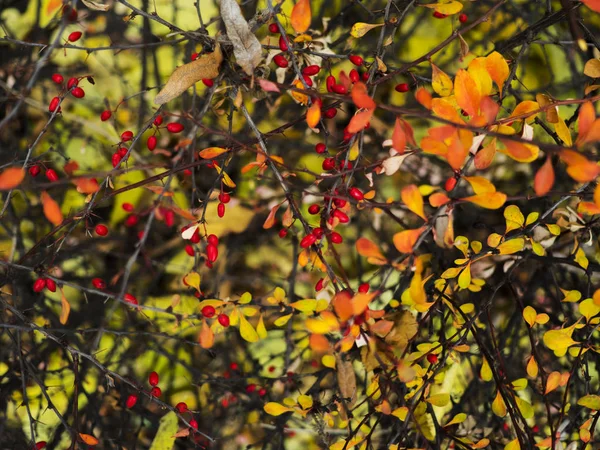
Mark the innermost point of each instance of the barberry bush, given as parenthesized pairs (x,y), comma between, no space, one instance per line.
(300,224)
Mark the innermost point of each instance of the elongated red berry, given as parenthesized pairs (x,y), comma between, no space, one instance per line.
(307,80)
(283,44)
(101,230)
(156,392)
(439,15)
(98,283)
(208,82)
(77,92)
(123,152)
(130,299)
(341,216)
(175,127)
(181,407)
(354,76)
(402,87)
(223,320)
(314,209)
(127,207)
(39,285)
(339,89)
(432,358)
(34,170)
(283,233)
(336,237)
(116,159)
(281,61)
(356,194)
(190,250)
(169,218)
(51,175)
(273,28)
(58,78)
(319,285)
(106,114)
(330,113)
(194,424)
(153,378)
(72,83)
(151,143)
(356,60)
(364,288)
(462,18)
(224,197)
(126,136)
(450,183)
(212,239)
(330,82)
(54,104)
(158,120)
(40,445)
(132,220)
(320,148)
(339,202)
(212,253)
(318,232)
(308,240)
(51,285)
(208,311)
(221,209)
(74,36)
(311,70)
(131,401)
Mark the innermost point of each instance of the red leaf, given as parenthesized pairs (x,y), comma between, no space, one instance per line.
(544,178)
(360,121)
(398,137)
(361,98)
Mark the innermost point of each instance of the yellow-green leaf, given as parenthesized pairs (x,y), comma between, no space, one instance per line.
(464,279)
(167,428)
(439,399)
(247,332)
(359,29)
(511,246)
(276,409)
(590,401)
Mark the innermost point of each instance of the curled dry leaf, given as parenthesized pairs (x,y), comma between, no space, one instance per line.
(346,379)
(65,308)
(97,6)
(184,77)
(246,47)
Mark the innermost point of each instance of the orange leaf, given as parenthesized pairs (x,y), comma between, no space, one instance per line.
(211,152)
(86,185)
(413,200)
(398,137)
(525,110)
(318,343)
(301,16)
(521,152)
(51,209)
(382,327)
(360,121)
(594,5)
(457,153)
(368,249)
(361,98)
(270,221)
(360,302)
(489,109)
(544,178)
(183,213)
(579,167)
(438,199)
(446,110)
(466,92)
(65,308)
(552,382)
(11,178)
(586,117)
(485,156)
(342,305)
(207,337)
(592,135)
(313,115)
(588,208)
(597,195)
(489,200)
(423,97)
(88,439)
(159,190)
(404,241)
(497,68)
(430,145)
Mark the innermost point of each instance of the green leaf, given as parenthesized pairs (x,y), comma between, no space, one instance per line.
(590,401)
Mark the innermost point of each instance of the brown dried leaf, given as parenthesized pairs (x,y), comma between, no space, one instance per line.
(184,77)
(65,308)
(95,5)
(346,379)
(246,48)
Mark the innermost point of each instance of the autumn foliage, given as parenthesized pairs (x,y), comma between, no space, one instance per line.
(300,224)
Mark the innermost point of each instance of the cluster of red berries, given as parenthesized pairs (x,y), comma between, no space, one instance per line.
(224,198)
(51,175)
(72,87)
(44,283)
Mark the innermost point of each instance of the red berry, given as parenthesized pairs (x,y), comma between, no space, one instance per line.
(339,202)
(72,83)
(54,104)
(208,82)
(328,164)
(223,320)
(432,358)
(330,82)
(58,78)
(98,283)
(193,56)
(319,285)
(462,18)
(195,237)
(212,239)
(70,13)
(320,148)
(131,401)
(130,299)
(122,152)
(127,207)
(283,233)
(187,172)
(233,366)
(339,89)
(439,15)
(336,238)
(251,388)
(365,76)
(155,392)
(132,220)
(402,87)
(74,36)
(34,170)
(311,70)
(308,240)
(194,424)
(224,197)
(40,445)
(314,209)
(330,113)
(101,230)
(356,60)
(153,379)
(273,28)
(116,159)
(151,143)
(169,218)
(262,392)
(356,194)
(364,288)
(39,285)
(318,232)
(158,121)
(450,183)
(221,209)
(77,92)
(282,44)
(354,76)
(106,114)
(51,285)
(190,250)
(51,175)
(126,136)
(341,216)
(181,407)
(208,311)
(212,253)
(175,127)
(307,80)
(281,61)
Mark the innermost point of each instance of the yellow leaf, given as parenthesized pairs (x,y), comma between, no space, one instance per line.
(521,152)
(552,382)
(511,246)
(301,16)
(10,178)
(261,330)
(563,132)
(328,361)
(514,218)
(359,29)
(51,209)
(324,324)
(589,309)
(247,332)
(276,409)
(226,178)
(529,314)
(441,82)
(580,258)
(513,445)
(498,406)
(193,279)
(525,407)
(532,368)
(559,340)
(446,7)
(526,109)
(282,320)
(439,399)
(497,68)
(459,418)
(413,200)
(306,306)
(400,413)
(65,308)
(305,401)
(464,279)
(481,185)
(491,200)
(486,372)
(590,401)
(313,115)
(592,68)
(466,92)
(369,250)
